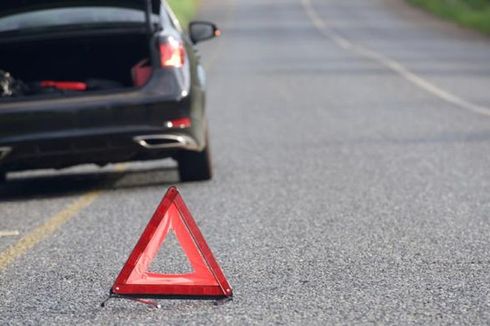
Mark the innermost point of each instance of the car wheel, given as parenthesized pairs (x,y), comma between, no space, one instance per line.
(3,177)
(195,166)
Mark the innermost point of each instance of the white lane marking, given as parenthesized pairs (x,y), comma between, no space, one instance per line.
(391,64)
(9,233)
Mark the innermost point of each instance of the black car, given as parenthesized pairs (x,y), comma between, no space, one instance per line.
(100,81)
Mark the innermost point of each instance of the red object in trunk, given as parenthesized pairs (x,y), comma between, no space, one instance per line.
(64,85)
(207,279)
(141,73)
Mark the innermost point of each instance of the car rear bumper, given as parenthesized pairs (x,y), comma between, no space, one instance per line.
(99,128)
(97,149)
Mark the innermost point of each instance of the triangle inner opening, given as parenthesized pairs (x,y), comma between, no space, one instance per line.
(171,259)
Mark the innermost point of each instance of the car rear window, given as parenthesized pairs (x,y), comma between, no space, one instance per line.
(60,17)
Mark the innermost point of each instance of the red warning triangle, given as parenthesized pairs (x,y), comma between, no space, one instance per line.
(207,279)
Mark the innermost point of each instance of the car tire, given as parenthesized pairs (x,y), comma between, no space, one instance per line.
(3,177)
(195,166)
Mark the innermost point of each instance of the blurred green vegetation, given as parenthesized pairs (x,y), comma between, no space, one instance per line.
(469,13)
(185,10)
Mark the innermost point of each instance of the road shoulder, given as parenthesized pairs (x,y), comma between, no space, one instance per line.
(423,18)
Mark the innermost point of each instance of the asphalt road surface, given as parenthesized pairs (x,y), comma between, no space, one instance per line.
(351,143)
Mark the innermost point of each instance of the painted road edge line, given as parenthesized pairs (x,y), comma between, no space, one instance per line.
(54,223)
(391,64)
(45,230)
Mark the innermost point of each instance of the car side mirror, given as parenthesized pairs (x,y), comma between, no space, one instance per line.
(202,31)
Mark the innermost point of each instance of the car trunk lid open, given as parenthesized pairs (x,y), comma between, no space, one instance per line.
(8,7)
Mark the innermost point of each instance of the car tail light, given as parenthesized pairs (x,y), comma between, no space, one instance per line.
(172,53)
(179,123)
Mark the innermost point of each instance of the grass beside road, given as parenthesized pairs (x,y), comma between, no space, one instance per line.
(470,13)
(185,10)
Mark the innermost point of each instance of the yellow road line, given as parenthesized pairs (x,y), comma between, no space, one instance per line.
(391,64)
(54,223)
(44,231)
(120,167)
